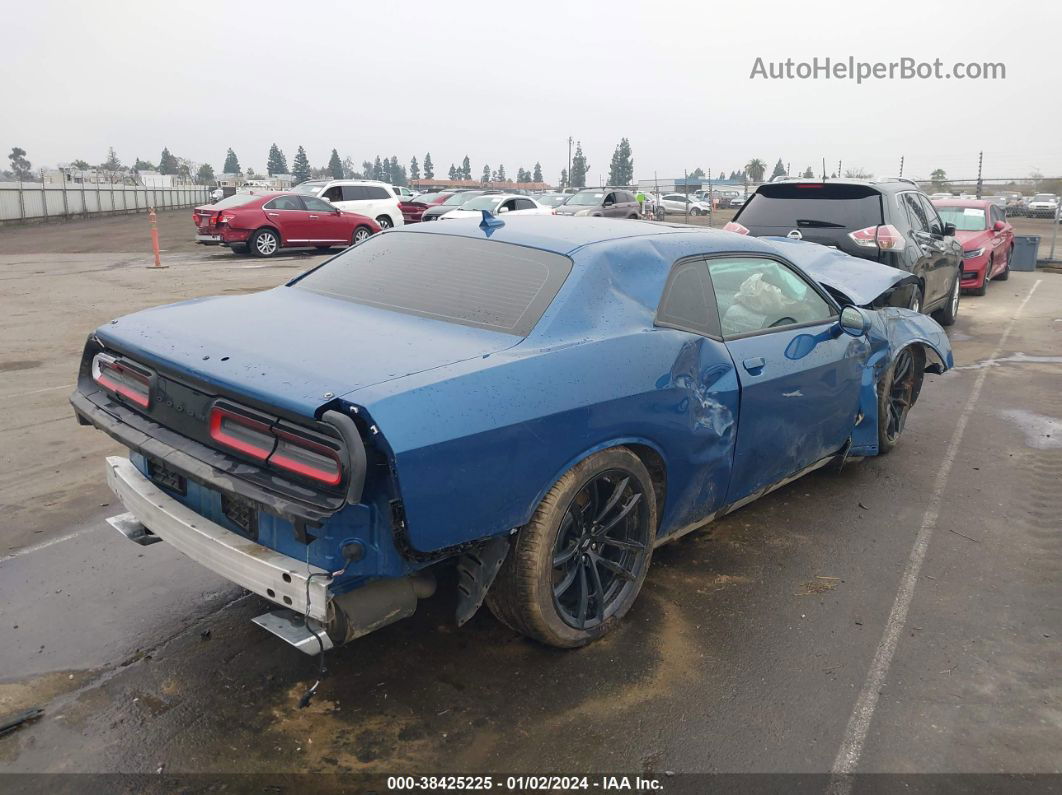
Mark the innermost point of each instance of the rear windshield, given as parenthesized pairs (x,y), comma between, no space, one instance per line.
(471,281)
(810,206)
(236,200)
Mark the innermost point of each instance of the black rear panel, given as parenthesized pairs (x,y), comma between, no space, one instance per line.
(822,212)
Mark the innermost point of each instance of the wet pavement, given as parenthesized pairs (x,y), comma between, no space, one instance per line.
(749,650)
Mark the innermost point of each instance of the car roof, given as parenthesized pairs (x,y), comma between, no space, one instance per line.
(565,234)
(893,185)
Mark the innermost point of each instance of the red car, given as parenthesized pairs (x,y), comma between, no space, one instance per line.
(414,208)
(265,223)
(987,240)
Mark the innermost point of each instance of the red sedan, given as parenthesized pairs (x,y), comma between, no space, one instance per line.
(265,223)
(413,209)
(987,240)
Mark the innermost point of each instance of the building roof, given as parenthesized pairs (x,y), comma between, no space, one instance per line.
(475,183)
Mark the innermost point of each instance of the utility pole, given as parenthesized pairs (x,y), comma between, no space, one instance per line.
(824,168)
(787,169)
(569,162)
(980,160)
(838,169)
(686,188)
(901,165)
(711,200)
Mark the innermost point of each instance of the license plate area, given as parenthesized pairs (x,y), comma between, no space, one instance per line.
(167,477)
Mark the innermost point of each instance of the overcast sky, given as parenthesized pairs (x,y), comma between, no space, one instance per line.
(509,82)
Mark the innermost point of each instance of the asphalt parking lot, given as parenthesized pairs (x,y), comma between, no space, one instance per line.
(901,615)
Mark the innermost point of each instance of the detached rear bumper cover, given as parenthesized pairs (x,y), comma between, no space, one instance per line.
(252,566)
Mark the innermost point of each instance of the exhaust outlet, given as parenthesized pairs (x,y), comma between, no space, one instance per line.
(363,610)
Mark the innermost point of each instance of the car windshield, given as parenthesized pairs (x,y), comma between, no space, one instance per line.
(482,203)
(470,281)
(552,201)
(236,200)
(587,198)
(1043,197)
(460,198)
(309,188)
(965,218)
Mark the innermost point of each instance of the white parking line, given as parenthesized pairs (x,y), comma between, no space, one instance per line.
(45,544)
(36,391)
(859,723)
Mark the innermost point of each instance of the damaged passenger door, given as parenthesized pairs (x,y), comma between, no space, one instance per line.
(799,373)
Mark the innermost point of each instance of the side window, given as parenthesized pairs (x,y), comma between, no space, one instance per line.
(524,204)
(334,194)
(353,193)
(376,192)
(915,212)
(756,294)
(936,226)
(509,205)
(316,205)
(285,203)
(687,301)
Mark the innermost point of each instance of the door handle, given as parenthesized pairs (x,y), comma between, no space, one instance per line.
(273,215)
(313,217)
(754,365)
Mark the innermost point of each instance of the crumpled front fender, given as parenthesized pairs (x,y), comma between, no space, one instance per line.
(891,330)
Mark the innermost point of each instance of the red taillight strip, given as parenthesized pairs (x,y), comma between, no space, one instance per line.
(141,400)
(218,434)
(301,468)
(103,362)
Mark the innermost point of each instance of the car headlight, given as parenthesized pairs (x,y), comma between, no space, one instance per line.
(973,253)
(584,212)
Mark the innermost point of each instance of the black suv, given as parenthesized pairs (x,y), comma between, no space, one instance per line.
(890,221)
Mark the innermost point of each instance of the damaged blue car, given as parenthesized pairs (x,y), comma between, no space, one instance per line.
(538,401)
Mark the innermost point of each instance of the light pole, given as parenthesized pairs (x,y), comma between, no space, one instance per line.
(569,162)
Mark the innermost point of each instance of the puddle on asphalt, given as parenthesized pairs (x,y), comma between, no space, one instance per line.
(1041,432)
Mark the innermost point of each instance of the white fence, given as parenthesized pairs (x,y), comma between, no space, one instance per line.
(35,201)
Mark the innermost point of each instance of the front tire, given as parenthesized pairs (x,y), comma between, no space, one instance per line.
(361,233)
(982,288)
(264,243)
(384,222)
(576,568)
(897,392)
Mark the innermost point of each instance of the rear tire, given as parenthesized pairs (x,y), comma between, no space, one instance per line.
(576,568)
(384,222)
(947,315)
(264,243)
(897,392)
(916,300)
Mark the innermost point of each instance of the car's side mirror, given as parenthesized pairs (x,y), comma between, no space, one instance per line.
(608,204)
(949,230)
(853,321)
(503,210)
(999,226)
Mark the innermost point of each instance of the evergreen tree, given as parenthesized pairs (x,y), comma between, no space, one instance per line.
(537,176)
(501,175)
(579,167)
(395,173)
(378,169)
(335,165)
(697,173)
(453,172)
(486,175)
(167,163)
(139,165)
(809,173)
(112,163)
(205,176)
(779,169)
(300,166)
(276,163)
(414,169)
(564,178)
(466,168)
(232,163)
(366,169)
(621,170)
(429,167)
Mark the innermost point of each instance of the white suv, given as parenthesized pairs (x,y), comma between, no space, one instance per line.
(364,196)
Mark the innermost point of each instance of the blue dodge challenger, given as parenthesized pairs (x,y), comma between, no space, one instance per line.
(538,401)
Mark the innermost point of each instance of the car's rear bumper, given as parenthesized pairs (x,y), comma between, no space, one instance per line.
(264,571)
